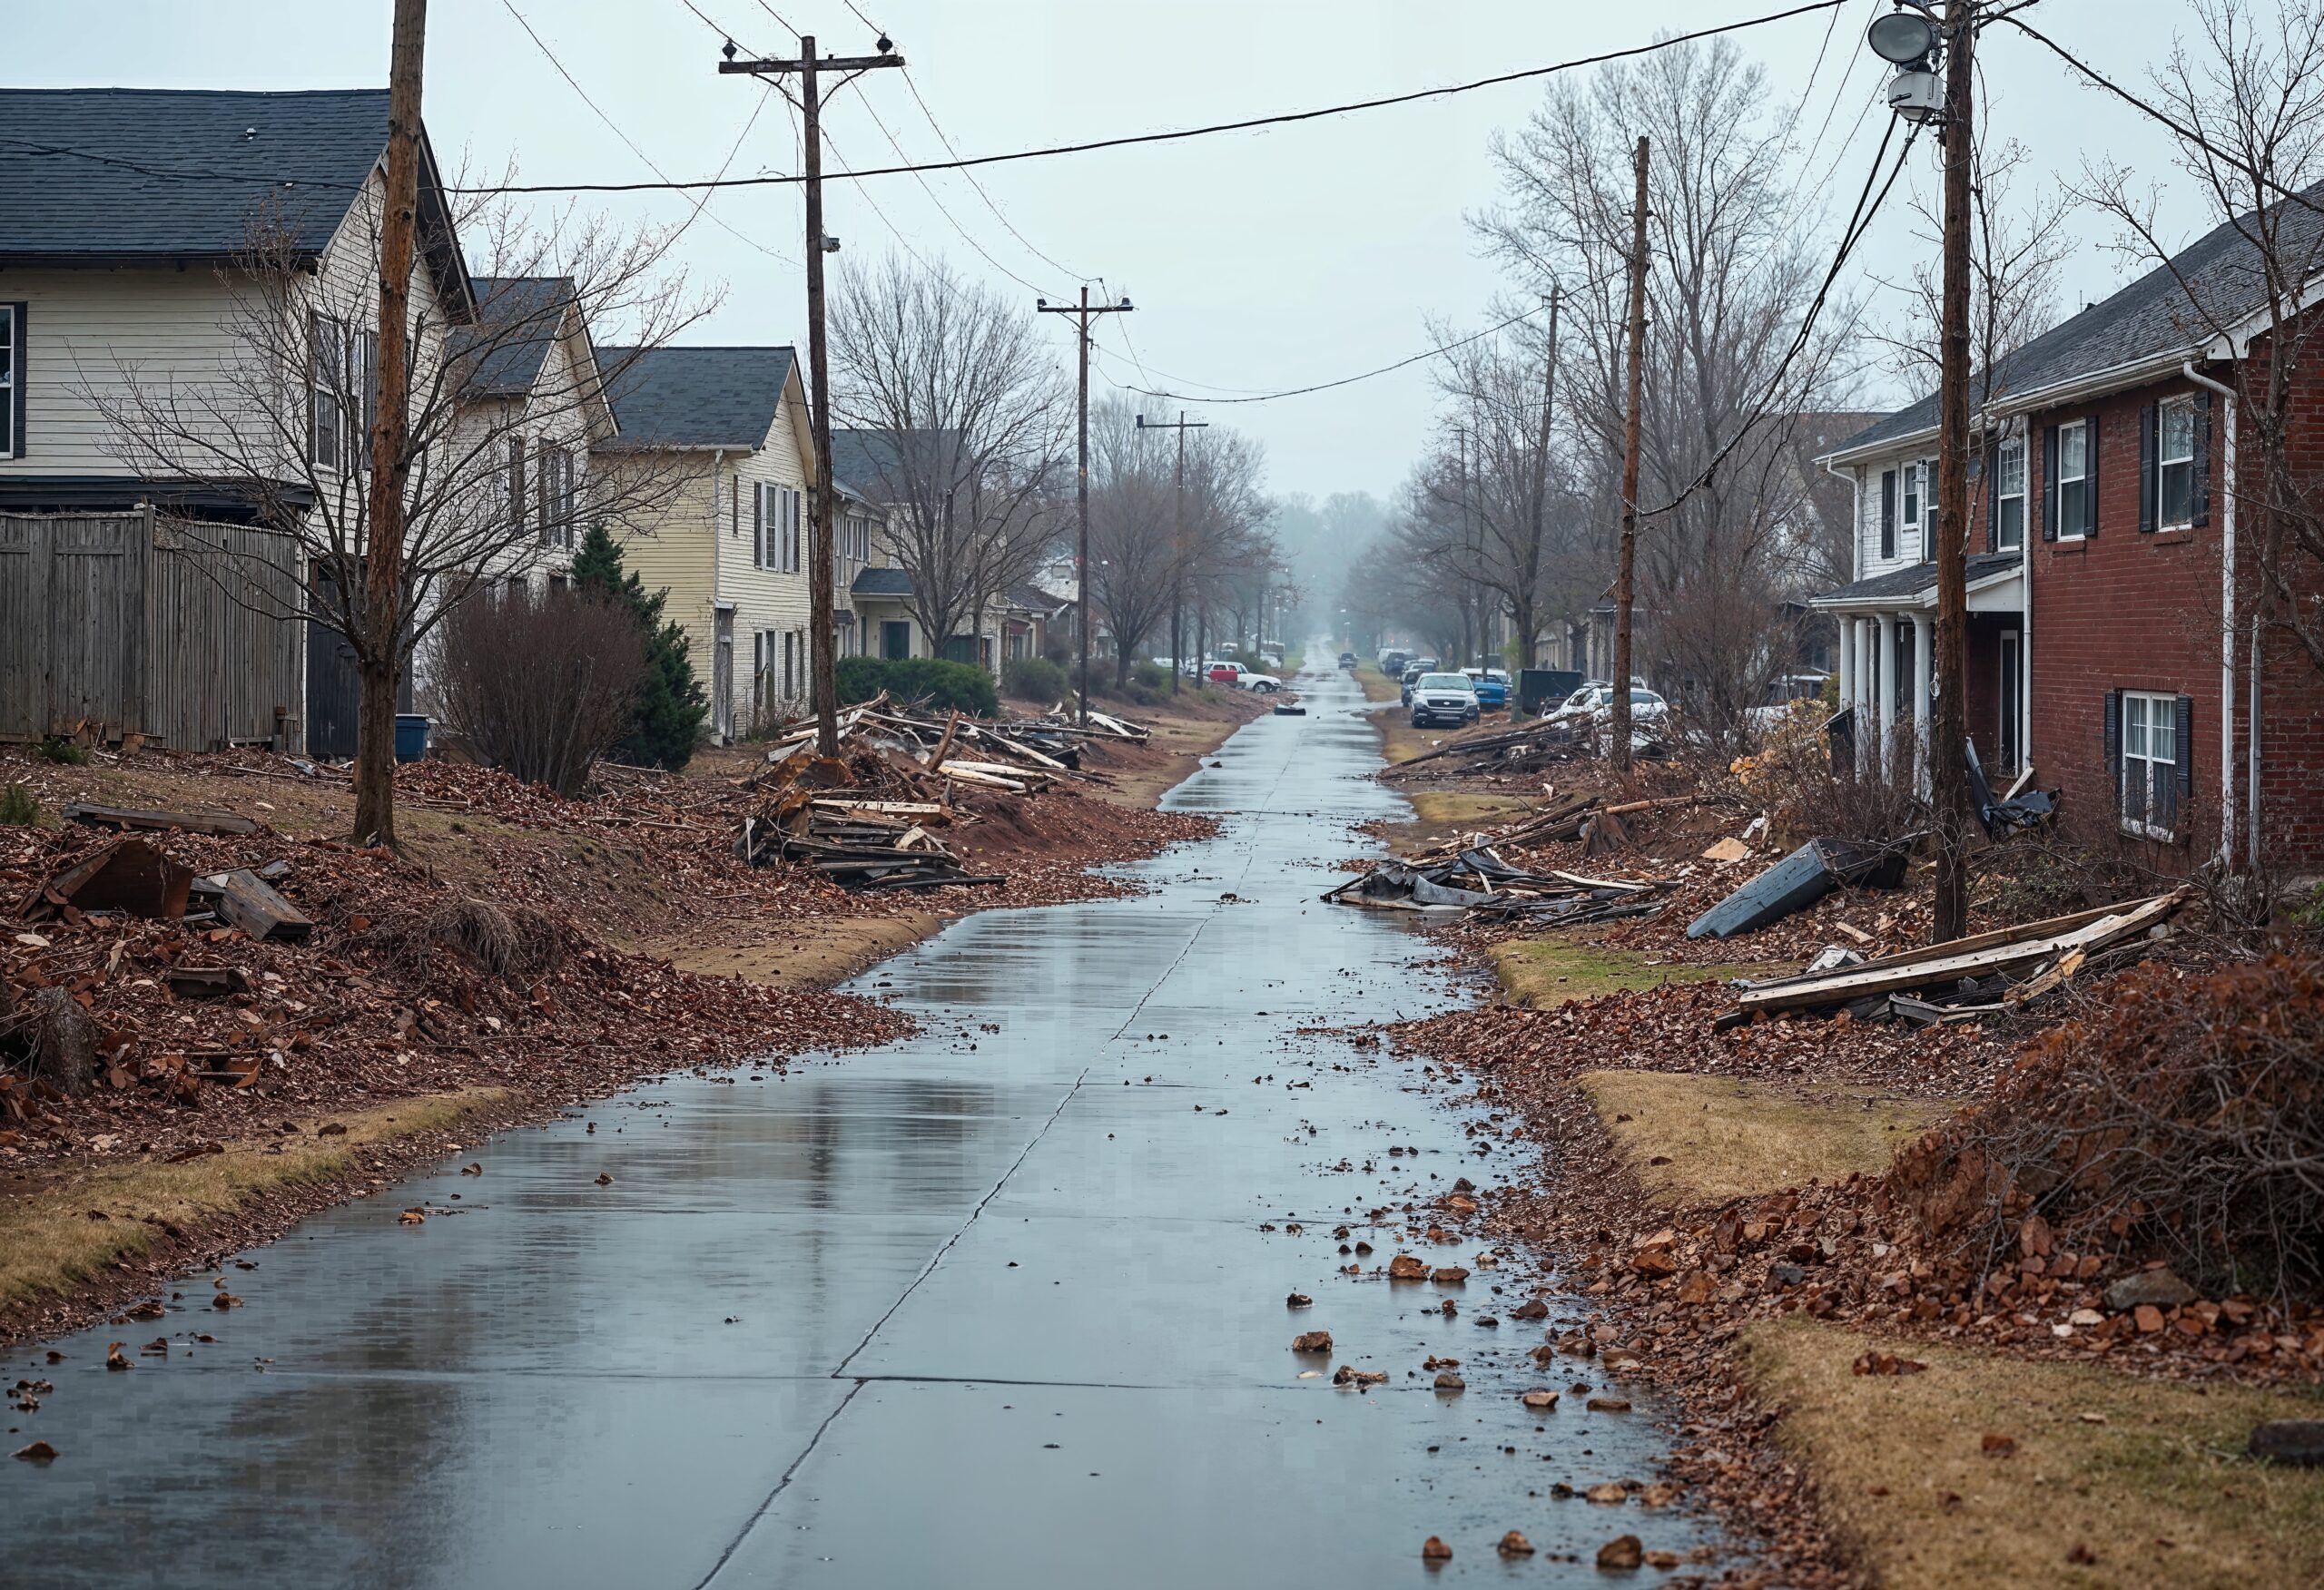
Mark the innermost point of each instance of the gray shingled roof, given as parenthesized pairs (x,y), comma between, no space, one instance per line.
(695,397)
(104,176)
(2152,316)
(881,583)
(867,459)
(519,317)
(1899,584)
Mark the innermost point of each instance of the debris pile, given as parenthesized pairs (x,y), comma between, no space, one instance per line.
(1481,883)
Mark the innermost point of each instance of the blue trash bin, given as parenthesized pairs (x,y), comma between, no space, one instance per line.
(411,736)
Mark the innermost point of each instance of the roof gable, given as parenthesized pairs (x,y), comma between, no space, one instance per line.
(703,397)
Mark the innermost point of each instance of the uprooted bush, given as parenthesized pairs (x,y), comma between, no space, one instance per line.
(2185,1121)
(540,684)
(1809,794)
(509,943)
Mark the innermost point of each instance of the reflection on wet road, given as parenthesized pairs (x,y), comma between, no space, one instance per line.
(1000,1305)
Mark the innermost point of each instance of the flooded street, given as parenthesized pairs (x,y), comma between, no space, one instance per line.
(1001,1305)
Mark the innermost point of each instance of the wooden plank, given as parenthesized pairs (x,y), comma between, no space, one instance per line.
(252,905)
(2047,928)
(130,816)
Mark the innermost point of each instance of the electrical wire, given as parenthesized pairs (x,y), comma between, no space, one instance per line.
(1435,352)
(988,202)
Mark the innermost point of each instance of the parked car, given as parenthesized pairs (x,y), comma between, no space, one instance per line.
(1347,660)
(1392,663)
(1413,672)
(1491,685)
(1222,672)
(1439,698)
(1264,683)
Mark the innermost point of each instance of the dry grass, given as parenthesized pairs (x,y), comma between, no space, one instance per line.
(1377,686)
(814,954)
(49,1240)
(1540,974)
(1700,1140)
(2147,1479)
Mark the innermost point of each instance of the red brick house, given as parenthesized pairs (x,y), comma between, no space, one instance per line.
(2110,641)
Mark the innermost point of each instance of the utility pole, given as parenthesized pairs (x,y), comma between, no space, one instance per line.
(382,572)
(1082,555)
(1620,726)
(1948,724)
(1540,484)
(821,561)
(1178,533)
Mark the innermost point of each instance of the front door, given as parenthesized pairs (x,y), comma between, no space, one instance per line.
(895,640)
(722,675)
(2013,697)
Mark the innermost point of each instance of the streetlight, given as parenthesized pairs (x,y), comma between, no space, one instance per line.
(1908,39)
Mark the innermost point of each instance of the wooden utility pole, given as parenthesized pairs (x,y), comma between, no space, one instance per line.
(1081,555)
(822,562)
(382,570)
(1623,591)
(1541,488)
(1948,778)
(1182,425)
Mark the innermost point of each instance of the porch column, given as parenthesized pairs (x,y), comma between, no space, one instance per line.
(1845,623)
(1924,636)
(1886,639)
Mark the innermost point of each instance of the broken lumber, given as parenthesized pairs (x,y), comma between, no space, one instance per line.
(127,874)
(251,904)
(121,818)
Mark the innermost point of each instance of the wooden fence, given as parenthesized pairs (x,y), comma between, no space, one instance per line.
(142,624)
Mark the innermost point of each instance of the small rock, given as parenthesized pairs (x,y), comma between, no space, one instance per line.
(1531,1309)
(113,1359)
(1541,1401)
(1654,1262)
(2148,1318)
(1349,1375)
(1298,1300)
(38,1452)
(1405,1267)
(1994,1446)
(605,1179)
(1312,1341)
(2298,1441)
(1446,1381)
(1621,1554)
(2157,1289)
(1663,1559)
(1514,1544)
(1608,1495)
(1608,1405)
(1785,1275)
(1449,1275)
(1434,1550)
(1660,1494)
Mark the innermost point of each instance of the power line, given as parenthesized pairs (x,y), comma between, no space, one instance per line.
(1345,380)
(988,202)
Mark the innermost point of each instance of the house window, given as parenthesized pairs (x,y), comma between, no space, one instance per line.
(1887,513)
(517,483)
(2074,479)
(2175,464)
(11,380)
(2009,496)
(2149,764)
(553,495)
(326,391)
(790,663)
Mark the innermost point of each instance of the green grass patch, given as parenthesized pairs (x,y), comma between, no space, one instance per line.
(1542,973)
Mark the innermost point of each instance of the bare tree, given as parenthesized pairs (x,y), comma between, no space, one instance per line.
(969,422)
(2247,101)
(1735,282)
(489,475)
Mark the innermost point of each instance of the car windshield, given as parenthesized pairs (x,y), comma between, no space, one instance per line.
(1644,698)
(1444,682)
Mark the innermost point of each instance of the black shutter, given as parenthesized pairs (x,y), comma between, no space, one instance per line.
(2114,746)
(516,483)
(2202,513)
(758,526)
(1888,513)
(2090,476)
(2185,743)
(1993,496)
(2049,483)
(2146,467)
(19,370)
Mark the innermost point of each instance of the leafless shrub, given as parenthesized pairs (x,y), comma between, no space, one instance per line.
(2184,1117)
(515,942)
(1810,794)
(540,685)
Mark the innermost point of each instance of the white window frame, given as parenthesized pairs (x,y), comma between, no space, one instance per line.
(2078,516)
(11,378)
(327,391)
(2160,771)
(2164,463)
(1908,503)
(2012,449)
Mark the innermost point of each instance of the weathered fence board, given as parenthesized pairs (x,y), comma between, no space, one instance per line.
(133,623)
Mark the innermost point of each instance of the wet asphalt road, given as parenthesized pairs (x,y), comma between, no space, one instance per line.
(991,1307)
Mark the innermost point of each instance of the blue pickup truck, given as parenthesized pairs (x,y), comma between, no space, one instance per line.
(1492,686)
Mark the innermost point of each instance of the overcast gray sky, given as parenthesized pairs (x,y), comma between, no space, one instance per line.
(1258,260)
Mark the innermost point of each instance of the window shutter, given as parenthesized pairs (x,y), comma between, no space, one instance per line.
(18,368)
(516,483)
(1993,496)
(543,496)
(2114,743)
(1888,513)
(758,526)
(2202,513)
(2090,476)
(318,449)
(2185,743)
(2049,483)
(2146,467)
(367,388)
